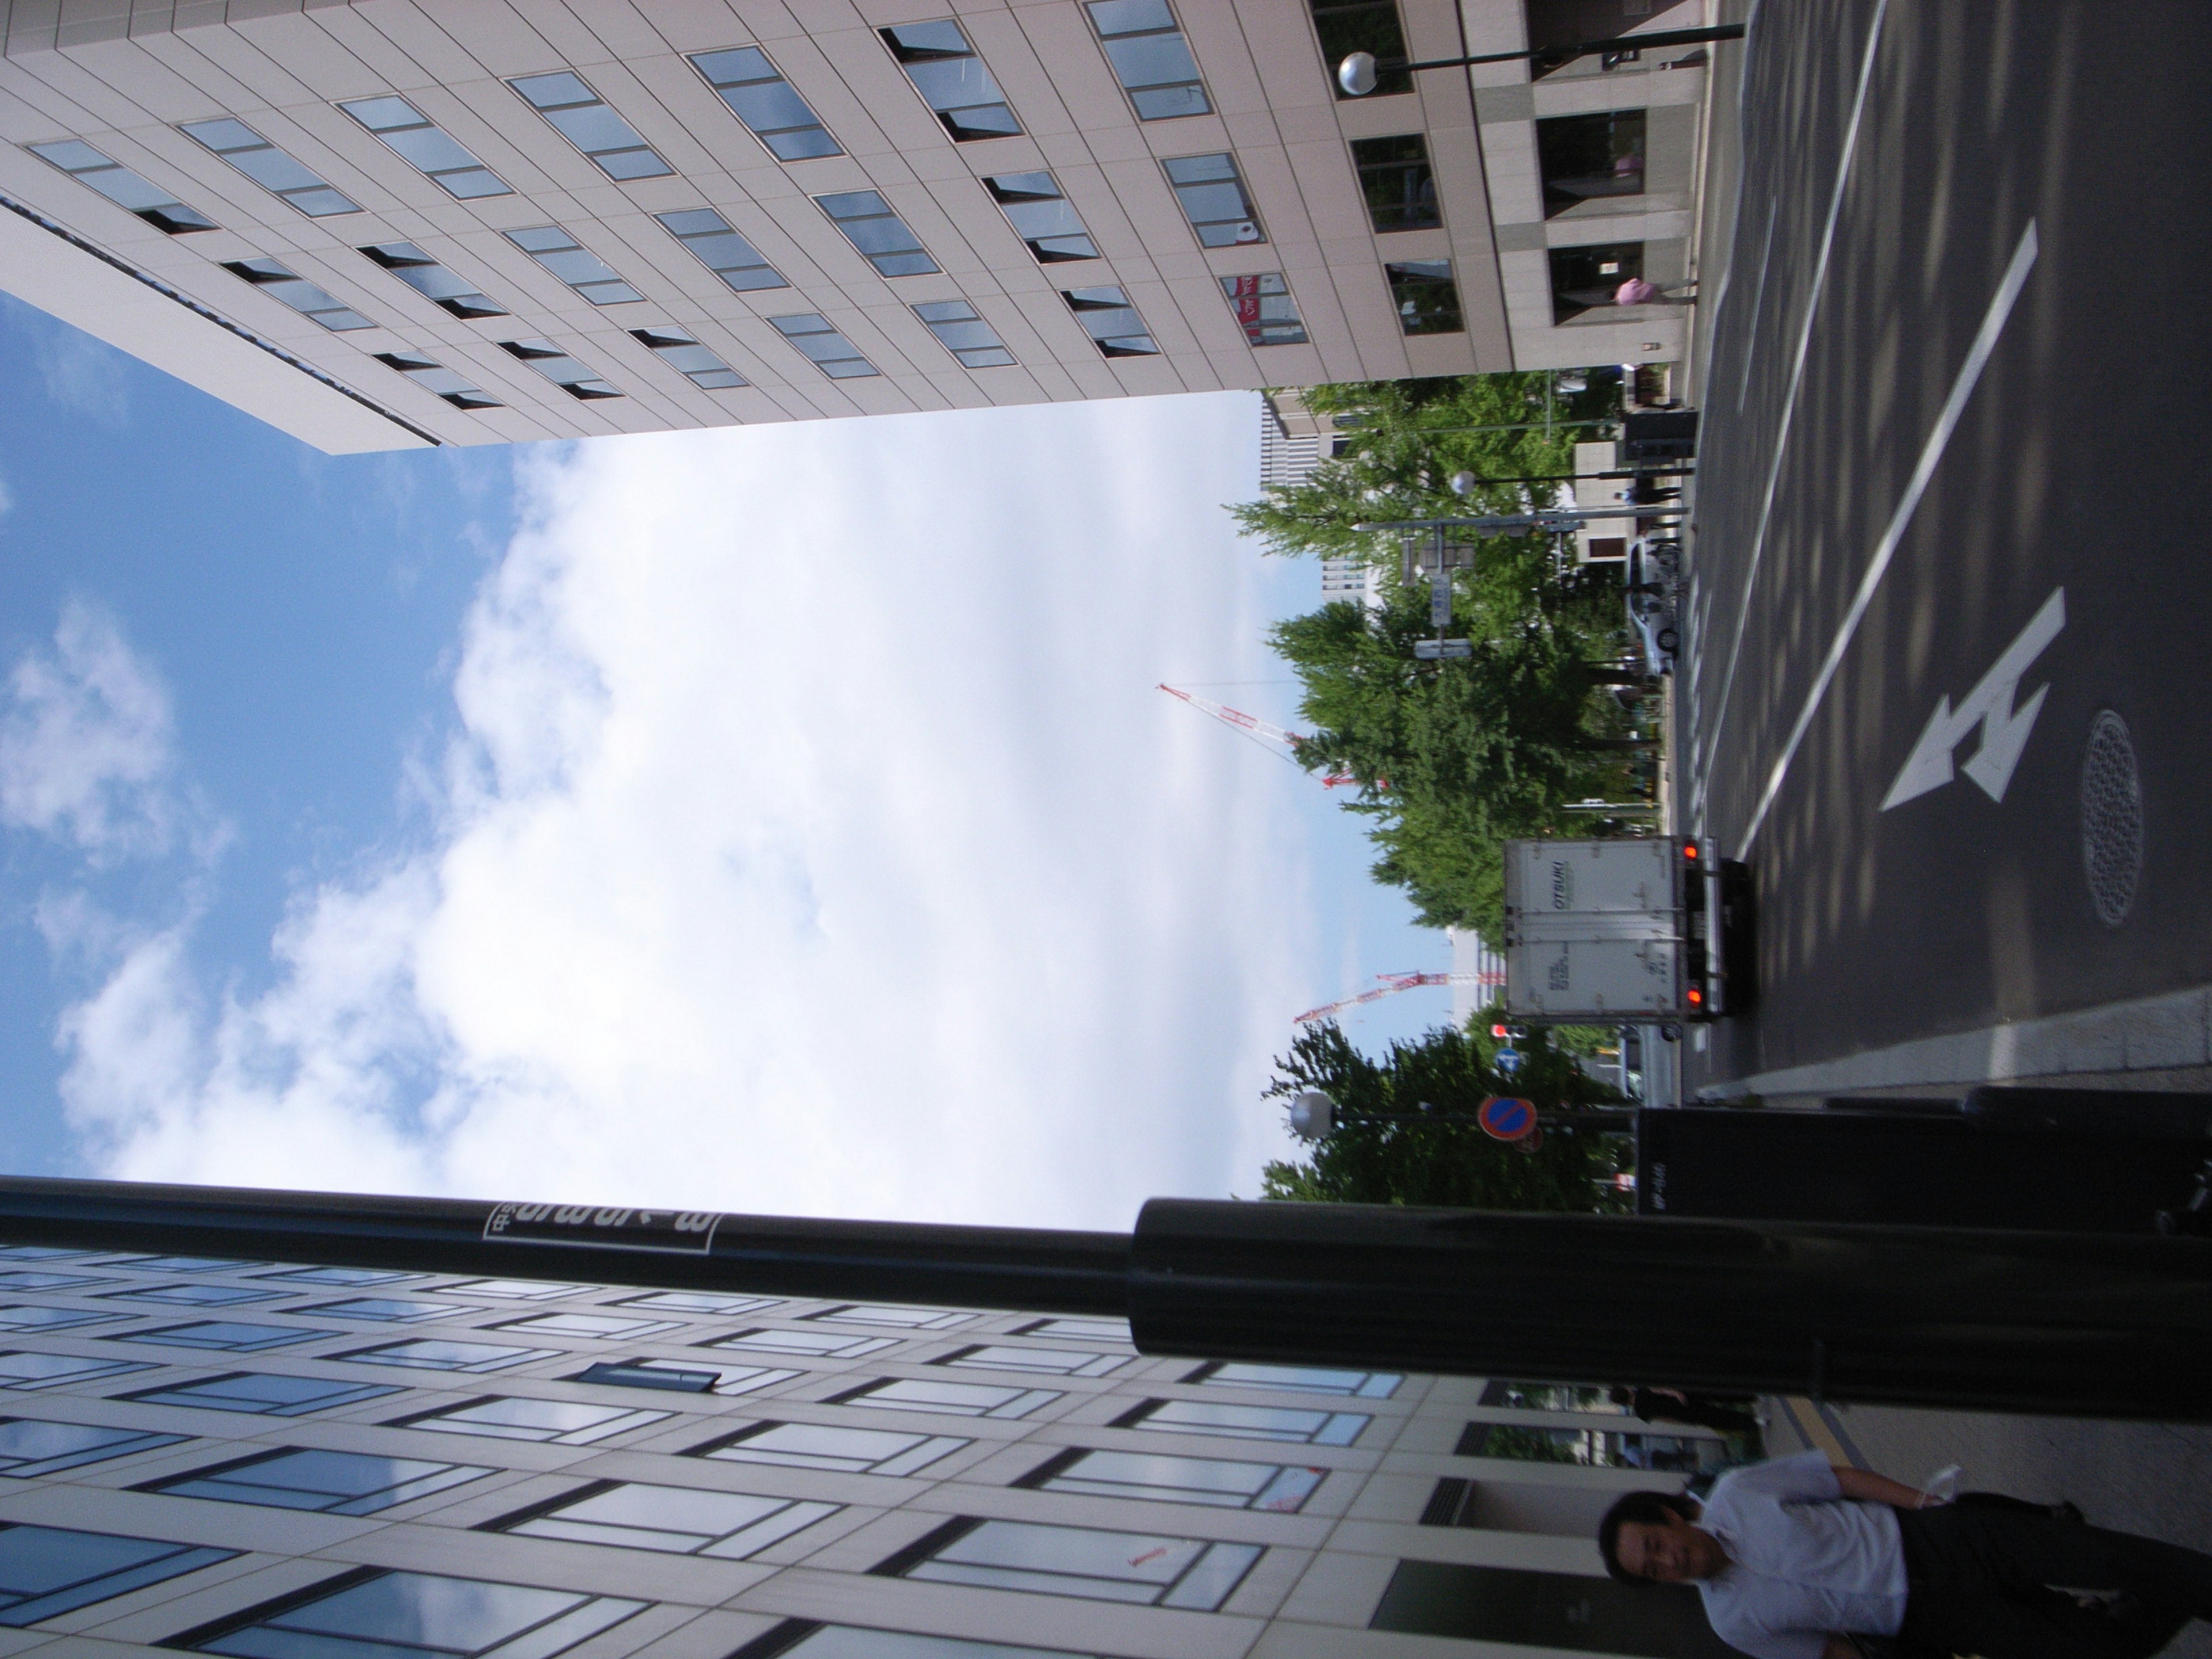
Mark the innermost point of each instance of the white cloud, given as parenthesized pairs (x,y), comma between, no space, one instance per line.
(815,842)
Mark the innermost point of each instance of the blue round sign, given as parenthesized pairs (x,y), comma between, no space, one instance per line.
(1507,1061)
(1507,1117)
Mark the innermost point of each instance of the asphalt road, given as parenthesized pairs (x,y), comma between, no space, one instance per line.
(1953,459)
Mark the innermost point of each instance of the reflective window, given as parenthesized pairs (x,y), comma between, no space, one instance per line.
(876,1312)
(1315,1428)
(826,1344)
(682,1376)
(593,1327)
(555,1422)
(387,1309)
(951,79)
(1276,1488)
(1112,321)
(122,186)
(377,1614)
(20,1279)
(332,1482)
(1145,1568)
(263,1394)
(270,166)
(440,1354)
(1372,26)
(1588,276)
(517,1290)
(763,100)
(592,126)
(19,1317)
(1042,217)
(42,1253)
(678,1520)
(1214,199)
(831,351)
(1303,1379)
(907,1393)
(435,378)
(583,270)
(1056,1361)
(1599,1448)
(346,1277)
(706,1304)
(804,1638)
(434,282)
(1427,298)
(818,1446)
(46,1370)
(976,344)
(426,147)
(182,1264)
(726,253)
(1079,1330)
(1395,178)
(1552,1397)
(880,234)
(310,301)
(703,369)
(1585,158)
(580,382)
(234,1336)
(1263,305)
(30,1447)
(1150,56)
(197,1296)
(45,1571)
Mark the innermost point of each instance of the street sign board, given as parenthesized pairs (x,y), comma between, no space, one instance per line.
(1507,1117)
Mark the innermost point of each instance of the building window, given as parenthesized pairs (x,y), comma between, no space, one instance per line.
(593,1328)
(233,1335)
(122,186)
(1150,56)
(1112,321)
(1145,1568)
(440,1354)
(182,1264)
(701,1304)
(42,1253)
(1042,217)
(433,281)
(328,1482)
(677,1376)
(426,147)
(551,1422)
(906,1394)
(318,306)
(1220,1483)
(436,379)
(1587,278)
(1263,305)
(831,352)
(574,264)
(581,117)
(18,1317)
(678,1520)
(880,234)
(1426,296)
(579,382)
(47,1371)
(344,1277)
(976,344)
(1348,26)
(1395,178)
(45,1571)
(195,1295)
(262,1394)
(874,1313)
(17,1279)
(721,250)
(951,80)
(1055,1362)
(826,1344)
(401,1615)
(818,1446)
(30,1447)
(805,1639)
(519,1289)
(1584,157)
(704,369)
(1550,1397)
(1214,200)
(761,98)
(1303,1379)
(1245,1422)
(1079,1330)
(387,1309)
(1597,1449)
(270,166)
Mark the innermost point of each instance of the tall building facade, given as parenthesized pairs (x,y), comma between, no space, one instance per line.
(290,1462)
(398,223)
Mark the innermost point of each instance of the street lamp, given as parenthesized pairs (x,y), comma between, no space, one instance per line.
(1357,74)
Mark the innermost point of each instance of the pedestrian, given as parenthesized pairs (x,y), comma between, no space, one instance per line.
(1798,1558)
(1637,292)
(1657,1405)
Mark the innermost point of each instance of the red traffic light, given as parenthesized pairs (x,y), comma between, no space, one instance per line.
(1501,1030)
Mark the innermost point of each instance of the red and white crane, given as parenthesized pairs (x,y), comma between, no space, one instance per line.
(1267,734)
(1392,984)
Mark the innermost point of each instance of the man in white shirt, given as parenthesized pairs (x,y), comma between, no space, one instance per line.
(1796,1557)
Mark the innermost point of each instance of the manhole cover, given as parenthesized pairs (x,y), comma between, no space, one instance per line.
(2111,819)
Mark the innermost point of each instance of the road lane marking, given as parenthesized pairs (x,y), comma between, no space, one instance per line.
(1758,303)
(1990,705)
(1962,389)
(1790,401)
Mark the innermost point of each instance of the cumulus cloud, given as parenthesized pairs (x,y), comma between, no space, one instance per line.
(813,841)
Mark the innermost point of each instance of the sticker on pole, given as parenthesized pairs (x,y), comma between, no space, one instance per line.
(686,1232)
(1507,1117)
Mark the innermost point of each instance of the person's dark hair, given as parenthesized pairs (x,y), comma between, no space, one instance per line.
(1645,1509)
(1620,1394)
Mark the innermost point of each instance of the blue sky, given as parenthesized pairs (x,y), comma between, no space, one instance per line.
(779,818)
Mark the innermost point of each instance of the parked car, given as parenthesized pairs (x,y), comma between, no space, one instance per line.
(1652,574)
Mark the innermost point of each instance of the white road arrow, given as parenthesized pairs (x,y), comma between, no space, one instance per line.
(1990,705)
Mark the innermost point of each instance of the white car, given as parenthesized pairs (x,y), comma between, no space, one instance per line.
(1652,576)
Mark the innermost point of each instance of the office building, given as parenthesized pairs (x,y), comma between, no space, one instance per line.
(398,222)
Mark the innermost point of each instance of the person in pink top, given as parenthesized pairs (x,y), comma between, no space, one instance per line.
(1637,292)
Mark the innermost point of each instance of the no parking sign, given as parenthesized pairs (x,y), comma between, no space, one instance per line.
(1507,1117)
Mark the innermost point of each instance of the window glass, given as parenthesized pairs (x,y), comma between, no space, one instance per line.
(1585,158)
(1150,56)
(519,1289)
(906,1394)
(376,1615)
(831,351)
(581,116)
(30,1447)
(1080,1330)
(555,1422)
(1144,1569)
(347,1277)
(876,1312)
(737,262)
(233,1335)
(23,1318)
(310,301)
(880,234)
(122,186)
(270,166)
(803,1639)
(1042,217)
(594,1327)
(1550,1397)
(1056,1361)
(1263,305)
(1426,297)
(819,1446)
(1372,26)
(703,369)
(1395,178)
(435,377)
(1305,1379)
(1599,1448)
(331,1482)
(681,1376)
(46,1370)
(426,147)
(387,1309)
(434,282)
(583,270)
(976,344)
(1317,1428)
(951,80)
(678,1520)
(195,1296)
(761,97)
(840,1344)
(42,1253)
(263,1393)
(579,382)
(32,1280)
(707,1304)
(1112,321)
(182,1264)
(441,1354)
(1587,278)
(1276,1488)
(45,1571)
(1214,199)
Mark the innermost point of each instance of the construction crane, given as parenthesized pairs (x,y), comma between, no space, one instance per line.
(1392,984)
(1266,733)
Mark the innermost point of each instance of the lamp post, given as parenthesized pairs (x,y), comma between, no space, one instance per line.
(1357,74)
